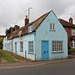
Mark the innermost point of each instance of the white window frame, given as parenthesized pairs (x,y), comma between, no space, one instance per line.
(30,28)
(21,47)
(20,33)
(32,47)
(73,42)
(52,26)
(56,46)
(73,32)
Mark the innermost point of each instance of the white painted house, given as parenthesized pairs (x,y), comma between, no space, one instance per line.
(43,39)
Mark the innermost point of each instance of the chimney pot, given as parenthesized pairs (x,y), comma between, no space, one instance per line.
(16,27)
(11,29)
(71,20)
(26,21)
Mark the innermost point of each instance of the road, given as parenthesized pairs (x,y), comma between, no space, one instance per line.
(66,68)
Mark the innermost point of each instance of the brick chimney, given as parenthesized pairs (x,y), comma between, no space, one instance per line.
(26,21)
(71,20)
(11,29)
(16,27)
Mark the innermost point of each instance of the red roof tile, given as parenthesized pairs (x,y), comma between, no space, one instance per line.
(66,23)
(24,29)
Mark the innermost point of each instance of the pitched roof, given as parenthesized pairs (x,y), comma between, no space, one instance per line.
(35,24)
(66,23)
(14,34)
(24,29)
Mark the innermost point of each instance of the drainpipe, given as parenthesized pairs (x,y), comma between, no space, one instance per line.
(35,45)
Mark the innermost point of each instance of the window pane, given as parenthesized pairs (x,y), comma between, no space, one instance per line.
(57,46)
(21,46)
(51,26)
(31,47)
(30,28)
(73,32)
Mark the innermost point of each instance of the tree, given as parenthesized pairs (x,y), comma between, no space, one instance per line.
(1,40)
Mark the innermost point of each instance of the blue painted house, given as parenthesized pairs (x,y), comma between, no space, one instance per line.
(42,39)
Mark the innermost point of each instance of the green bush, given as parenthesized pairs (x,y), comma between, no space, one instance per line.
(72,49)
(1,40)
(69,49)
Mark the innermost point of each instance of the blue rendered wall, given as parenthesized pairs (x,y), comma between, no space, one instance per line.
(26,38)
(44,33)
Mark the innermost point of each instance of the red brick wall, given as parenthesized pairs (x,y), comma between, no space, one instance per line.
(69,31)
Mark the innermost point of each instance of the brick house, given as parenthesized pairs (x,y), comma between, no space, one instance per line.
(70,28)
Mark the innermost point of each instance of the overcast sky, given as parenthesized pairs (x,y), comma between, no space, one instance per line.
(13,12)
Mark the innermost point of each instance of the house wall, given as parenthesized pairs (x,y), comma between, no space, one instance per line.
(17,40)
(5,44)
(44,33)
(26,38)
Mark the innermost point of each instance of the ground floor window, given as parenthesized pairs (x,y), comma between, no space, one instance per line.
(12,46)
(57,46)
(8,46)
(73,44)
(31,46)
(21,46)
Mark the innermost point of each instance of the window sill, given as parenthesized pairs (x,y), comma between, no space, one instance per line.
(30,53)
(29,31)
(57,52)
(20,51)
(52,30)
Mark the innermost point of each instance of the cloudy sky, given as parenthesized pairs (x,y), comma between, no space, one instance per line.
(13,12)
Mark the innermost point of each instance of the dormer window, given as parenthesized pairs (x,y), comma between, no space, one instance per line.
(52,27)
(20,32)
(30,28)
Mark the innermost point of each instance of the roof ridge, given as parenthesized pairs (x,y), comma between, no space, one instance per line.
(66,21)
(38,18)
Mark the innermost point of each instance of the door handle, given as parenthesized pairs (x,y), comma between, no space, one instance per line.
(47,51)
(44,51)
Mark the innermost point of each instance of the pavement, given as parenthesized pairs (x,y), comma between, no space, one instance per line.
(37,63)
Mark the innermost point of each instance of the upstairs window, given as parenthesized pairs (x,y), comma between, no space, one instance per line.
(20,32)
(21,46)
(30,28)
(52,26)
(73,32)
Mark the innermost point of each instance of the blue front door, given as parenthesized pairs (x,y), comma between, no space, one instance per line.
(45,50)
(16,48)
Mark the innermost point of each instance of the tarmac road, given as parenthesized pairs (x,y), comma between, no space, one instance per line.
(64,68)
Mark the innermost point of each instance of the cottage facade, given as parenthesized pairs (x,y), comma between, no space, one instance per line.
(43,39)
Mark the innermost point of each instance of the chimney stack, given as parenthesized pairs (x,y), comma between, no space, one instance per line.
(11,29)
(16,27)
(26,21)
(71,20)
